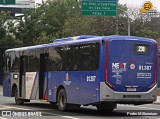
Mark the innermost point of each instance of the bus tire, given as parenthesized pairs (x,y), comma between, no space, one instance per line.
(17,100)
(106,107)
(62,100)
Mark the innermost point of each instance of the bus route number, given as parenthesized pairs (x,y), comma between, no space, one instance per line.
(141,49)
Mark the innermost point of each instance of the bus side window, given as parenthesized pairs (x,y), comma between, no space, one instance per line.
(85,53)
(55,59)
(9,65)
(3,63)
(89,57)
(75,61)
(32,64)
(69,57)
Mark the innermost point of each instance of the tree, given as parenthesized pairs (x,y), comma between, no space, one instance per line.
(146,32)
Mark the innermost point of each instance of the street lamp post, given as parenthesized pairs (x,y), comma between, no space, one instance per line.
(128,21)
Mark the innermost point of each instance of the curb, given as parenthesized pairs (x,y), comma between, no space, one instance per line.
(156,103)
(1,88)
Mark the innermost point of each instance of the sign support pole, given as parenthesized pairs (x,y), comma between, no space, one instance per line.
(128,19)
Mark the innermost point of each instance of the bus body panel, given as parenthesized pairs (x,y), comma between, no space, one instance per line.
(45,86)
(10,80)
(107,94)
(31,87)
(101,70)
(7,85)
(54,81)
(88,87)
(79,86)
(128,71)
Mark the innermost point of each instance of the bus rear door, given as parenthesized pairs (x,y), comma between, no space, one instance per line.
(22,73)
(43,77)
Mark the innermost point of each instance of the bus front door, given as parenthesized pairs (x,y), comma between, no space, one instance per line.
(43,77)
(22,73)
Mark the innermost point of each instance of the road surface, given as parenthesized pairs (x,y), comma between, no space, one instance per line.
(43,110)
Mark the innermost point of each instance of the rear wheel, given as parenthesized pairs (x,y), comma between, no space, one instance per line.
(62,100)
(17,100)
(106,107)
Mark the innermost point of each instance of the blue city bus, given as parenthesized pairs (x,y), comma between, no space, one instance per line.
(102,71)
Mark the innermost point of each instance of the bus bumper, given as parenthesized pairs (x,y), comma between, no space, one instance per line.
(108,95)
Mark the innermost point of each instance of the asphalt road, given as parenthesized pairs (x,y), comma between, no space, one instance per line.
(49,112)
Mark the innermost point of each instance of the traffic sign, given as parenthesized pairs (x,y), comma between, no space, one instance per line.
(99,8)
(7,2)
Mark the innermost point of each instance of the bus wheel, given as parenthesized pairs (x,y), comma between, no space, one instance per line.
(62,100)
(17,100)
(106,107)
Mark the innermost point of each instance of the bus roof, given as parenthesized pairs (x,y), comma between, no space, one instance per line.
(78,40)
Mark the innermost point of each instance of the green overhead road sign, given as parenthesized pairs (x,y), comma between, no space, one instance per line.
(7,2)
(99,8)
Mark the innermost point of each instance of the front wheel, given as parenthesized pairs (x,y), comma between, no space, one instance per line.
(17,100)
(62,100)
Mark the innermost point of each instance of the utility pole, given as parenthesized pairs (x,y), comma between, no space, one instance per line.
(117,25)
(127,20)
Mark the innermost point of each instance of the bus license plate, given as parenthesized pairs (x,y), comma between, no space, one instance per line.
(131,89)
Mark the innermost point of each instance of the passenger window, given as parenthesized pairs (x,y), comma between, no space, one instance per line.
(33,62)
(55,59)
(9,64)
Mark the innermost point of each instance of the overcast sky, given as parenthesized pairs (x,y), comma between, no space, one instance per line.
(139,3)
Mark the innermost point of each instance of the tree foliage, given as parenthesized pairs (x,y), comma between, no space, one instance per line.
(62,18)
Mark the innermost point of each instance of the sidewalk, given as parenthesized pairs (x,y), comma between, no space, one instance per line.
(158,97)
(158,100)
(1,88)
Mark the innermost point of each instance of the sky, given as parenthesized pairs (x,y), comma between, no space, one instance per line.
(130,3)
(139,3)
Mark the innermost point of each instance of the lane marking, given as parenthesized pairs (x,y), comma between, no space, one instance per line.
(151,117)
(3,108)
(3,118)
(140,107)
(69,117)
(17,108)
(53,114)
(9,107)
(11,99)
